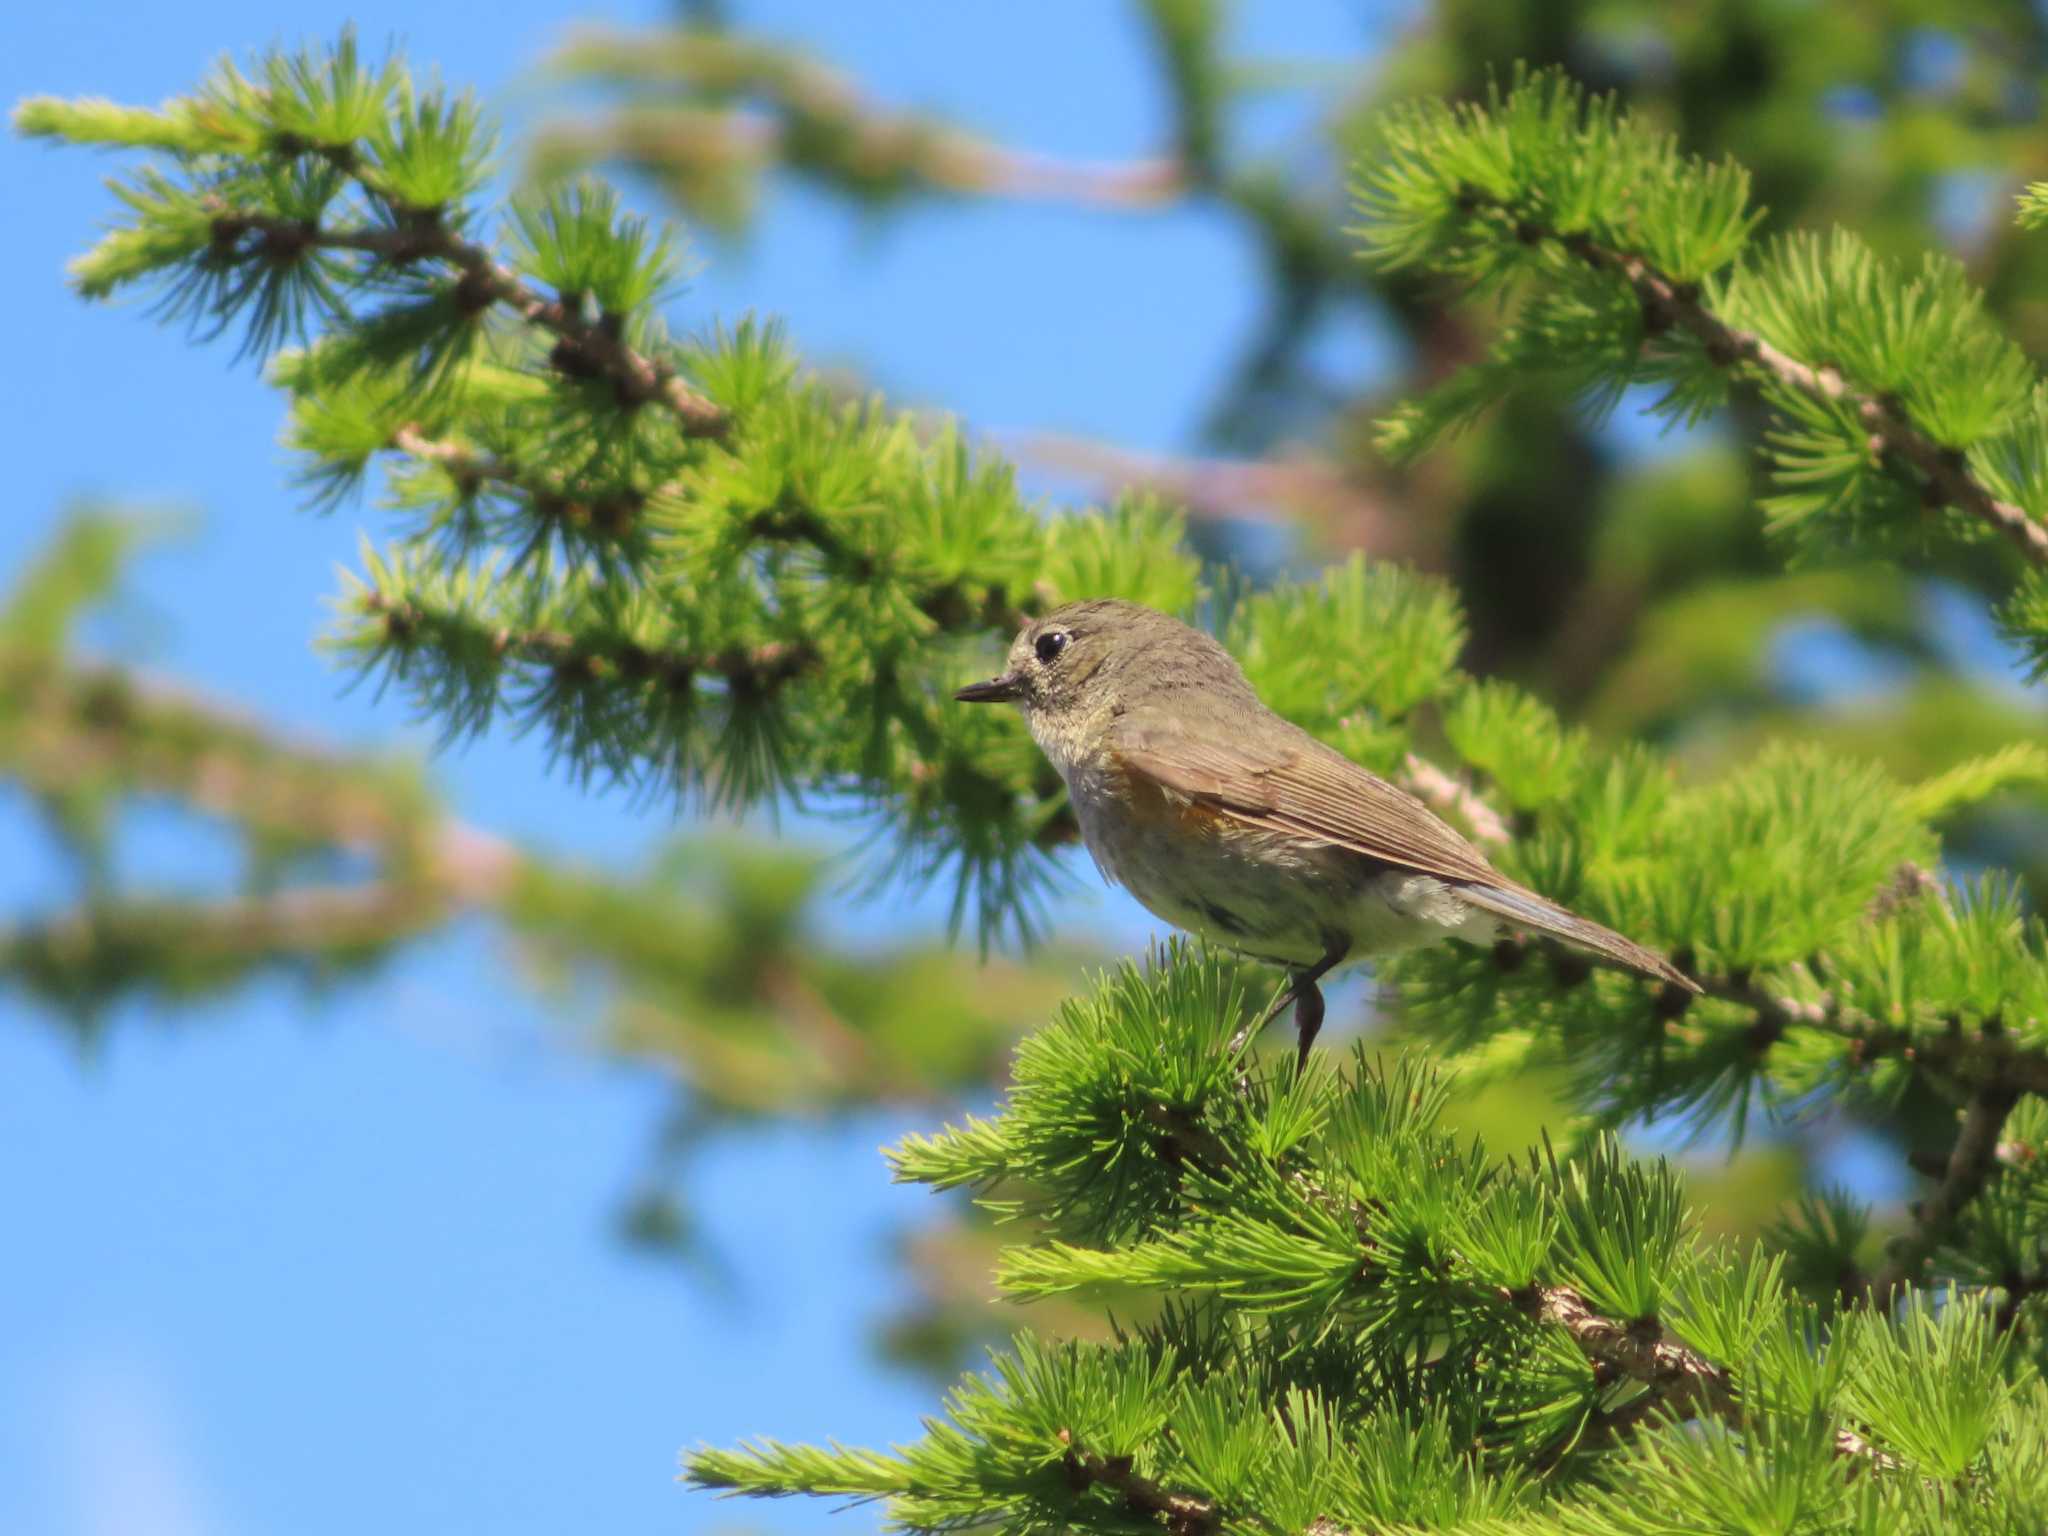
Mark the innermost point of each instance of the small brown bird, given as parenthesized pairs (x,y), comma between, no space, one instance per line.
(1235,824)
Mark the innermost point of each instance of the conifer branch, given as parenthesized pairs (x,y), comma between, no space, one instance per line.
(1988,1059)
(464,465)
(1970,1164)
(1677,1380)
(73,725)
(606,659)
(1183,1514)
(75,728)
(1945,477)
(760,668)
(1680,1380)
(583,347)
(90,725)
(940,602)
(608,514)
(1688,1383)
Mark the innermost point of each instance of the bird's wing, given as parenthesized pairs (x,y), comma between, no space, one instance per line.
(1296,785)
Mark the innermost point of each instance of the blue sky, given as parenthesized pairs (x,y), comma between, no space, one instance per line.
(336,1263)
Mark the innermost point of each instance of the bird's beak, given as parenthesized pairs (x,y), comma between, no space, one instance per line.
(994,691)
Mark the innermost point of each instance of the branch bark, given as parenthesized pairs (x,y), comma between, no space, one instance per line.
(1440,792)
(1291,489)
(1184,1514)
(584,346)
(461,462)
(1677,1379)
(1970,1165)
(691,140)
(1981,1061)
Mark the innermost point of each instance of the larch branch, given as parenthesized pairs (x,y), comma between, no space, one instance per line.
(1668,302)
(1683,1381)
(585,346)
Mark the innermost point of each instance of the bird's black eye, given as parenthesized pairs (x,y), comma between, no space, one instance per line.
(1050,644)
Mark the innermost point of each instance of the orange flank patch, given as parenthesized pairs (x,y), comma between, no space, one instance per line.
(1151,804)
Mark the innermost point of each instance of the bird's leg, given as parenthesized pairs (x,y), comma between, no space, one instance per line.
(1307,998)
(1308,1020)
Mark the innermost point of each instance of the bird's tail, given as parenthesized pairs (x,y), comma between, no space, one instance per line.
(1525,909)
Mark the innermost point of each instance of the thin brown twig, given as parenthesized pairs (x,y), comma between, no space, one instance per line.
(1184,1514)
(1440,792)
(584,346)
(300,920)
(1984,1059)
(1291,488)
(964,164)
(1970,1165)
(463,464)
(947,160)
(804,112)
(609,511)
